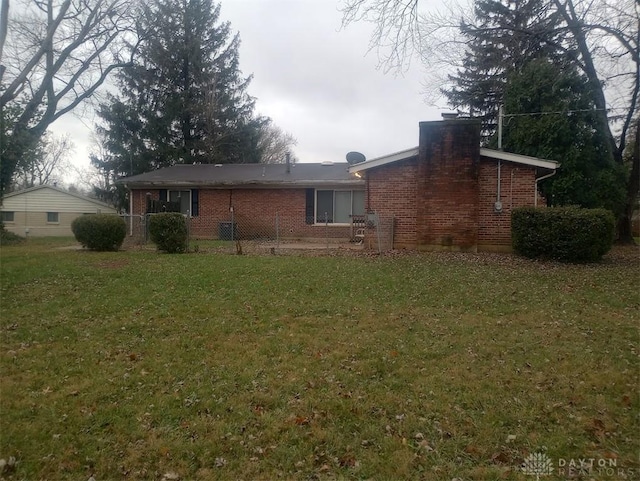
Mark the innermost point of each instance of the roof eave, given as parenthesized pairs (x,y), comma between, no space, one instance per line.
(384,160)
(519,159)
(58,189)
(248,183)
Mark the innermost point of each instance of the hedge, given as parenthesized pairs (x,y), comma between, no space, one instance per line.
(567,234)
(169,232)
(99,232)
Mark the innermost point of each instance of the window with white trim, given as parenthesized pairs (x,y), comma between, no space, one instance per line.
(53,217)
(337,206)
(8,216)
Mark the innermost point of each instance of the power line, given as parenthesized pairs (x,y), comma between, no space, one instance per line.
(564,112)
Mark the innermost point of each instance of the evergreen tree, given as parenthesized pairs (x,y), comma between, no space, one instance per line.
(551,114)
(506,35)
(184,100)
(518,57)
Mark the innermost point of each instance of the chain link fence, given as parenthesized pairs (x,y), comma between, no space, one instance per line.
(279,233)
(271,234)
(378,232)
(137,230)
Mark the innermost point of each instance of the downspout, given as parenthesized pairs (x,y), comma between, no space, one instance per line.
(513,171)
(535,192)
(130,212)
(497,206)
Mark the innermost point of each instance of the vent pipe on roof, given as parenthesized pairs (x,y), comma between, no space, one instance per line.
(287,157)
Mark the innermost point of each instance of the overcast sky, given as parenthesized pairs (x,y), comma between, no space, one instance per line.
(316,81)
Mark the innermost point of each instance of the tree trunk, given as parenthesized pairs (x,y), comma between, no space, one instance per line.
(625,234)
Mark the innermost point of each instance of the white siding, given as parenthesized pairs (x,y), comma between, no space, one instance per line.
(30,210)
(52,200)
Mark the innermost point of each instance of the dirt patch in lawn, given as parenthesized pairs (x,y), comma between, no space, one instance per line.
(113,264)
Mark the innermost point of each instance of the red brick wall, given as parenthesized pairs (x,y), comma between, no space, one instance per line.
(444,198)
(392,192)
(254,212)
(447,213)
(517,189)
(434,197)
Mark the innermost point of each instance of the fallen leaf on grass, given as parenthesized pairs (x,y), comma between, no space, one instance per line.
(597,428)
(424,444)
(302,420)
(501,458)
(472,449)
(348,461)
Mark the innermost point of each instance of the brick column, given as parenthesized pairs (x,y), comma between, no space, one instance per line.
(448,191)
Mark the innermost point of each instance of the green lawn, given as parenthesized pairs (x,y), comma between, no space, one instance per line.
(139,365)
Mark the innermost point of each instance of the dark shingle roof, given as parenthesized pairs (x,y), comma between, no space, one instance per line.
(267,175)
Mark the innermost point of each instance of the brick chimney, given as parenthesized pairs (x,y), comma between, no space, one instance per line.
(448,190)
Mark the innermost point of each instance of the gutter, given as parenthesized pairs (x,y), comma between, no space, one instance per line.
(535,192)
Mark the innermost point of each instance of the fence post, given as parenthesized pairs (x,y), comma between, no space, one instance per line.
(326,228)
(277,230)
(188,230)
(233,223)
(393,229)
(378,228)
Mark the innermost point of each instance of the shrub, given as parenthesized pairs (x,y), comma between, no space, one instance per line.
(8,238)
(99,232)
(567,234)
(169,232)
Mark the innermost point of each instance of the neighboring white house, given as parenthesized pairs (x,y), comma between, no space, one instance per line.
(46,210)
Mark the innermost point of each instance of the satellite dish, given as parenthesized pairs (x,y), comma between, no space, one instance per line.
(355,158)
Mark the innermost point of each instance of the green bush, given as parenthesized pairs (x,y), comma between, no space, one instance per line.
(8,238)
(169,232)
(99,232)
(567,234)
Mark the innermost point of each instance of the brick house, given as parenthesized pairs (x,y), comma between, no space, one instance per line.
(449,193)
(300,201)
(446,194)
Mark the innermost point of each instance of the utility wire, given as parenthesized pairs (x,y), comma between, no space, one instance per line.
(562,112)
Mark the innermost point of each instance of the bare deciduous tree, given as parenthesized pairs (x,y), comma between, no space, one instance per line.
(55,54)
(48,164)
(275,143)
(396,27)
